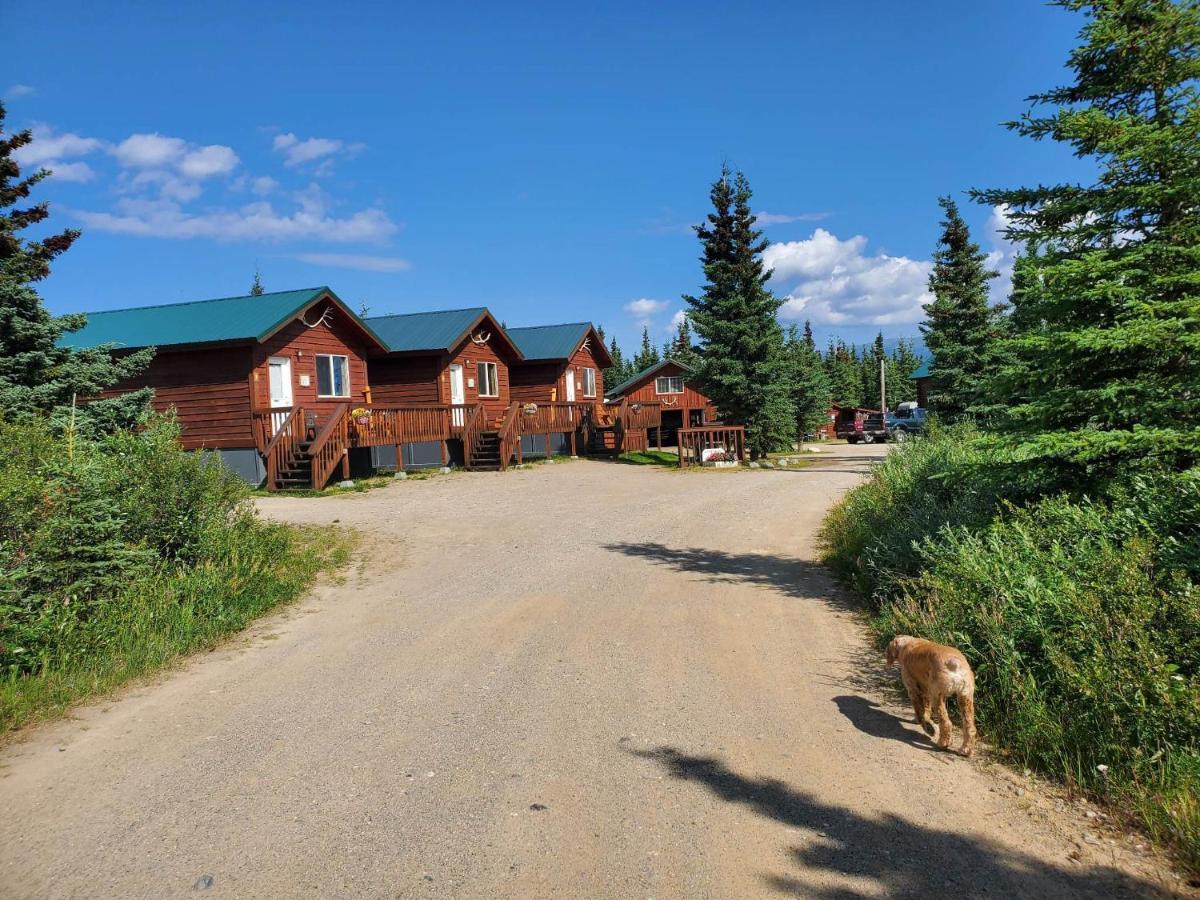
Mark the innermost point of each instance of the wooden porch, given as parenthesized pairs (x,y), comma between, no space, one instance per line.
(303,448)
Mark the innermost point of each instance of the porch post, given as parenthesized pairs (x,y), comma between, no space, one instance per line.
(445,454)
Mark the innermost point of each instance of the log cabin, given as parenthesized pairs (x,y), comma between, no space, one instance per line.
(666,386)
(234,368)
(457,358)
(561,364)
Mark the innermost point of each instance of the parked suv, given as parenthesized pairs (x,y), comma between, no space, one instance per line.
(907,420)
(866,429)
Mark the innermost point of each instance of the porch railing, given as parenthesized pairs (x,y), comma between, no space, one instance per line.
(473,422)
(728,440)
(284,444)
(510,435)
(330,446)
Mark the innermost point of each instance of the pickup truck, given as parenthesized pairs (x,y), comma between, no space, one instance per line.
(864,429)
(906,421)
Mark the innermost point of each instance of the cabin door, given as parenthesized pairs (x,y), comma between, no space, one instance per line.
(280,371)
(458,395)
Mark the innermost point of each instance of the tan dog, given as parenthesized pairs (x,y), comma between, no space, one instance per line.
(931,673)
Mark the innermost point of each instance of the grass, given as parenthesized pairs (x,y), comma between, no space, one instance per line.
(650,458)
(157,622)
(1080,616)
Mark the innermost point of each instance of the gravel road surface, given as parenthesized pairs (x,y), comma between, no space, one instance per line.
(579,680)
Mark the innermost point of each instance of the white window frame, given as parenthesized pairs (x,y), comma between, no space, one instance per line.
(327,359)
(589,381)
(668,379)
(488,378)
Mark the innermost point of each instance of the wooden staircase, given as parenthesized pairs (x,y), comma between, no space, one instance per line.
(485,454)
(295,470)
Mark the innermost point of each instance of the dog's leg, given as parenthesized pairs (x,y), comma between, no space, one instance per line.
(945,729)
(917,696)
(966,706)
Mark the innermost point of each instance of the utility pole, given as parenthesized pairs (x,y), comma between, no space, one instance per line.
(883,388)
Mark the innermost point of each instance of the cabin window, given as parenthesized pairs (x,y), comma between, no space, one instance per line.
(333,375)
(669,384)
(589,382)
(489,380)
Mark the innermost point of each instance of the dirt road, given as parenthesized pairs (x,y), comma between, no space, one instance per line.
(588,679)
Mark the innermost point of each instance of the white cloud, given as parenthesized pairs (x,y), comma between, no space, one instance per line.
(766,218)
(18,90)
(835,282)
(149,151)
(297,152)
(47,146)
(258,221)
(677,320)
(645,309)
(204,162)
(70,171)
(263,185)
(361,262)
(1003,252)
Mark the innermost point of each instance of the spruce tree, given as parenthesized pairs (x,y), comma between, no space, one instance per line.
(810,384)
(256,288)
(844,375)
(648,355)
(742,365)
(962,328)
(1106,355)
(682,348)
(618,372)
(37,376)
(901,365)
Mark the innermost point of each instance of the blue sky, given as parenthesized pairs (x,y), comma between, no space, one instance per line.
(540,159)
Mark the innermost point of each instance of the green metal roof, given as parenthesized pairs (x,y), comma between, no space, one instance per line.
(630,382)
(549,341)
(922,371)
(246,318)
(425,330)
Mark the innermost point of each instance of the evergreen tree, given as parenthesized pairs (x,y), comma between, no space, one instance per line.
(37,376)
(257,289)
(647,356)
(961,328)
(682,348)
(1106,358)
(742,365)
(810,384)
(901,365)
(619,370)
(844,375)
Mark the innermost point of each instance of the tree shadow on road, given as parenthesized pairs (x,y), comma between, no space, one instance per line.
(900,858)
(794,577)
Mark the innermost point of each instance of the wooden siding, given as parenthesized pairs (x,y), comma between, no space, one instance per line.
(401,380)
(468,354)
(546,382)
(690,399)
(301,344)
(209,390)
(536,382)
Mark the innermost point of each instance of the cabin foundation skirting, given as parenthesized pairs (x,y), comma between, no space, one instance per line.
(423,455)
(245,462)
(536,444)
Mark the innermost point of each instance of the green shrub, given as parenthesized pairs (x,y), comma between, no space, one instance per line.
(119,554)
(1081,617)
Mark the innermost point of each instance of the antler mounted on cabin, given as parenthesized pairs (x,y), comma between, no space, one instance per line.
(326,318)
(481,337)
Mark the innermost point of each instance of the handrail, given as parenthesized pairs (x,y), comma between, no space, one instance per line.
(731,439)
(472,426)
(550,418)
(283,445)
(508,434)
(330,445)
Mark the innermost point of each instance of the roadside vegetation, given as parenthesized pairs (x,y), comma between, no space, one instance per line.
(120,554)
(119,551)
(1050,527)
